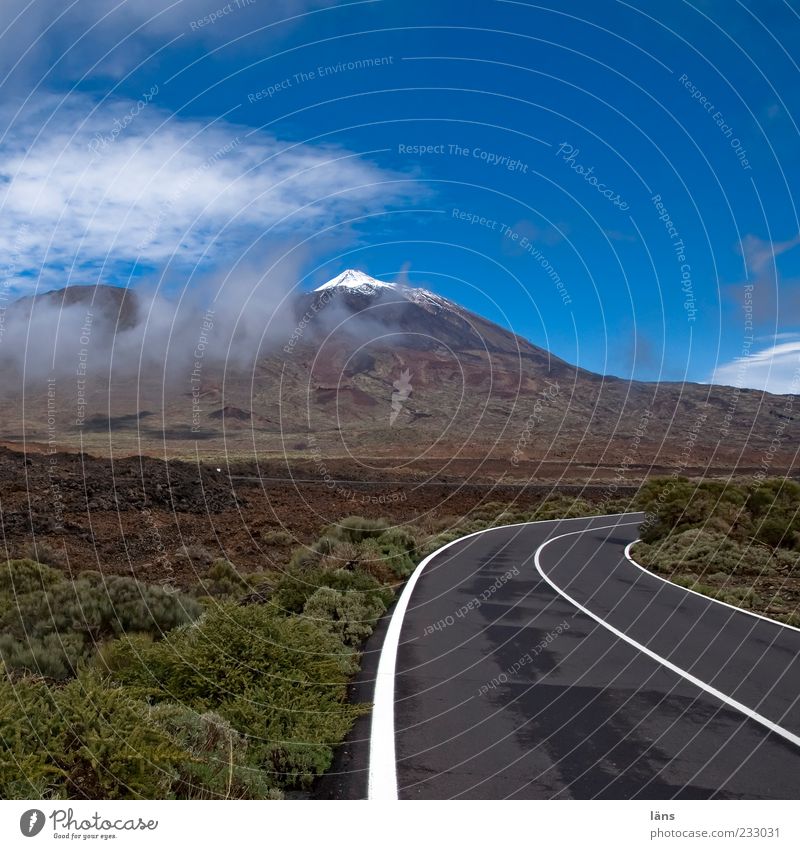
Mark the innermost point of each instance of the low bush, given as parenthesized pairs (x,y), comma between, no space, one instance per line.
(763,511)
(81,741)
(50,623)
(277,538)
(731,553)
(294,589)
(41,551)
(702,552)
(349,615)
(282,681)
(92,740)
(20,577)
(216,765)
(221,580)
(357,528)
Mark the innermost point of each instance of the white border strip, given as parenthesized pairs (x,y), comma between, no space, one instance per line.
(767,723)
(382,780)
(702,595)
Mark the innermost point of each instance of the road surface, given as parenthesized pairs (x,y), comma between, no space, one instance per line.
(537,661)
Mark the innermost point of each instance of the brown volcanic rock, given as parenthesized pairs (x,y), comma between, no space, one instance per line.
(473,389)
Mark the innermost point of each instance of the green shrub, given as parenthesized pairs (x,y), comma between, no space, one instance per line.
(221,580)
(703,552)
(564,507)
(386,560)
(55,623)
(53,655)
(277,538)
(20,577)
(357,528)
(279,680)
(81,741)
(31,734)
(304,559)
(716,565)
(350,615)
(90,739)
(774,509)
(765,511)
(390,554)
(293,590)
(216,763)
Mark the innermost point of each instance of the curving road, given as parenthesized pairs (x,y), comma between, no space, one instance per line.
(537,661)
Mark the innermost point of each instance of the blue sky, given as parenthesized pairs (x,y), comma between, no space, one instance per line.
(615,181)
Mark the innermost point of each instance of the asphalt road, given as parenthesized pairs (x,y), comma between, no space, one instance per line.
(505,688)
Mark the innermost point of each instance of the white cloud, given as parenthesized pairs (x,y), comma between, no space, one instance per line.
(76,191)
(773,369)
(760,255)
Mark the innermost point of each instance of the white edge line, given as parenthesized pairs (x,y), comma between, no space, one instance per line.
(702,595)
(749,712)
(382,780)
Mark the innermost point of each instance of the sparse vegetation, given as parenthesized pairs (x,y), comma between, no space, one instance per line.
(495,514)
(737,543)
(41,551)
(50,624)
(117,689)
(239,692)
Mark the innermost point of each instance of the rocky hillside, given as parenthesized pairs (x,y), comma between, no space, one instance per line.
(358,368)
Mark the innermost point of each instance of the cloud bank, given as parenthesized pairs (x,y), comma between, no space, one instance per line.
(88,189)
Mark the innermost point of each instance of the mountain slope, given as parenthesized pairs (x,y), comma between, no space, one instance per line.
(362,368)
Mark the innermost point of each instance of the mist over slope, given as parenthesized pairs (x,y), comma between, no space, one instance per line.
(357,367)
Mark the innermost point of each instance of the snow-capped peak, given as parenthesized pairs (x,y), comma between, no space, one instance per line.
(353,280)
(357,280)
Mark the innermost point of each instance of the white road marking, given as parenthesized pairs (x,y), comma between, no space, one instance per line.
(767,723)
(706,597)
(382,780)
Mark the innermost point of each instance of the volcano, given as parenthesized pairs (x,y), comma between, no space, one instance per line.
(361,368)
